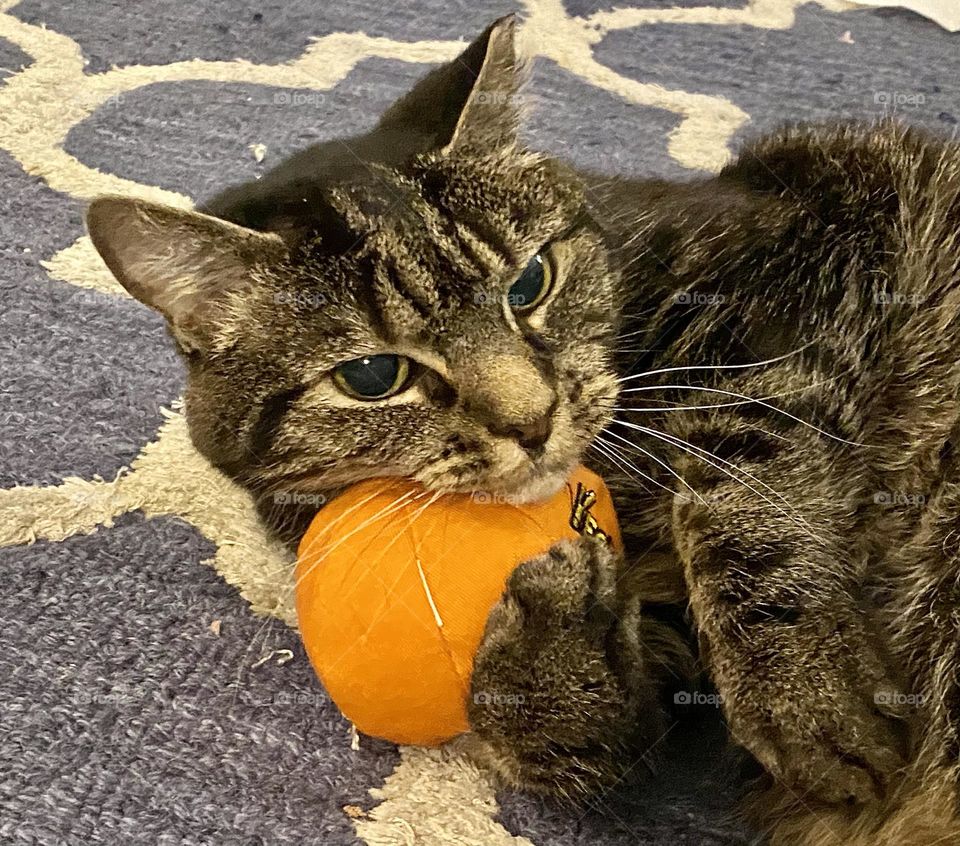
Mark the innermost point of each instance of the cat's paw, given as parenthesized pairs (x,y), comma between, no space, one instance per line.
(557,697)
(819,726)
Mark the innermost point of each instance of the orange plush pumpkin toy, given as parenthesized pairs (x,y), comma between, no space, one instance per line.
(394,586)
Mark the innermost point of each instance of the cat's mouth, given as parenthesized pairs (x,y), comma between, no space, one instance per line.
(500,470)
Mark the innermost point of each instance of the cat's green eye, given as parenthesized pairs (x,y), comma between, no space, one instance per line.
(532,286)
(372,377)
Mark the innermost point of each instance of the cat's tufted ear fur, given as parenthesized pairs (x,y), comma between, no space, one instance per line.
(186,265)
(471,101)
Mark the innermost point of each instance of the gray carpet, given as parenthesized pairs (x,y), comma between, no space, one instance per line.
(151,688)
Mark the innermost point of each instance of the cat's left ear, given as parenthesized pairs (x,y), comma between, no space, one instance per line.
(188,266)
(471,101)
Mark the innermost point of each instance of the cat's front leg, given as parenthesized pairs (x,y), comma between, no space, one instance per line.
(563,696)
(773,573)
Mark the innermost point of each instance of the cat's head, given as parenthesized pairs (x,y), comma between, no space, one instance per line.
(430,300)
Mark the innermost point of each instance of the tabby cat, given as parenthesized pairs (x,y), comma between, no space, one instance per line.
(762,363)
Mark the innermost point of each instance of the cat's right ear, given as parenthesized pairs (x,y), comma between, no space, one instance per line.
(471,101)
(188,266)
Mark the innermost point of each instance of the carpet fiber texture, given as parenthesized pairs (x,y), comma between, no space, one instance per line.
(152,688)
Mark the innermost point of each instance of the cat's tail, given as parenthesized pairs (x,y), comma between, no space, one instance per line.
(920,814)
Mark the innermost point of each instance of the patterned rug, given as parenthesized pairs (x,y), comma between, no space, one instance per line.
(151,687)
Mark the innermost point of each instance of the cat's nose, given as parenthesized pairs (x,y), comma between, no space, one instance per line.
(532,437)
(508,395)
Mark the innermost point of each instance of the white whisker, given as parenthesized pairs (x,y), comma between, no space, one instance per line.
(624,464)
(706,456)
(749,400)
(675,441)
(718,366)
(659,461)
(397,505)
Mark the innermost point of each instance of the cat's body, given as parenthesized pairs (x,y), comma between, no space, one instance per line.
(803,306)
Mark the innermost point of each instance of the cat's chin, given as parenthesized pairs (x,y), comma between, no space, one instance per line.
(518,486)
(534,488)
(530,484)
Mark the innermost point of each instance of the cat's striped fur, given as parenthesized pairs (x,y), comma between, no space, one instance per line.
(763,363)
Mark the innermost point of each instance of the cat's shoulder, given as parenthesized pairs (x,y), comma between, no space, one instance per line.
(859,157)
